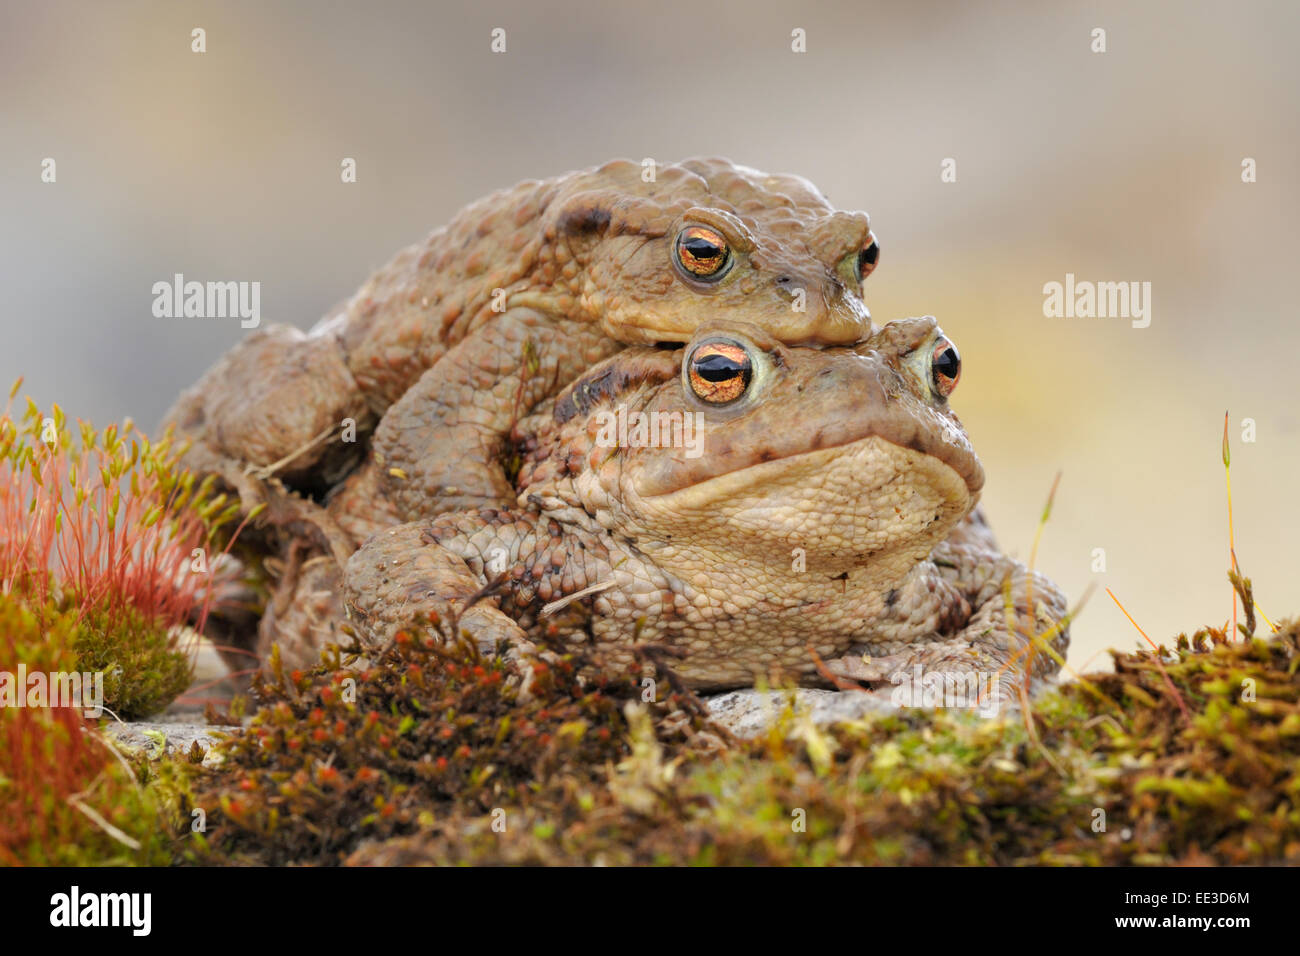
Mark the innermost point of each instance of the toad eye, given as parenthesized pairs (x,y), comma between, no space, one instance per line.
(945,367)
(867,257)
(719,372)
(703,253)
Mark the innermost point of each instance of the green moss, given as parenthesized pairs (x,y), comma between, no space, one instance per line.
(66,798)
(143,668)
(437,759)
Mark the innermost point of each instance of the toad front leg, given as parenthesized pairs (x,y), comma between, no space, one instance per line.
(442,570)
(967,611)
(440,446)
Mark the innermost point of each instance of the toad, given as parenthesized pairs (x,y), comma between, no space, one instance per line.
(758,507)
(442,349)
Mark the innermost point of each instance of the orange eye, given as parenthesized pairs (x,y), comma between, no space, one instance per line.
(703,253)
(868,256)
(719,372)
(945,367)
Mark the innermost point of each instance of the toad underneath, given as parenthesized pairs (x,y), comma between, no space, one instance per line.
(811,520)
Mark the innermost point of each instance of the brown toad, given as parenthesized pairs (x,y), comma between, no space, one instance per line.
(745,502)
(442,349)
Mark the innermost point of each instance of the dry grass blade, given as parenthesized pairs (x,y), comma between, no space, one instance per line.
(1159,663)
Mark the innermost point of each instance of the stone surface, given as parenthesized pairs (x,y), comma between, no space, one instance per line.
(748,713)
(176,736)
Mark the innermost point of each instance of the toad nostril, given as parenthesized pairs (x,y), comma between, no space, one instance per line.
(783,280)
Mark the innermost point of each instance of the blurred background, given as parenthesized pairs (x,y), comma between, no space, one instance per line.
(1116,166)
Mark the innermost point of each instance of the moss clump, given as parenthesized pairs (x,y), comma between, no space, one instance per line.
(144,669)
(1192,756)
(431,733)
(106,526)
(66,799)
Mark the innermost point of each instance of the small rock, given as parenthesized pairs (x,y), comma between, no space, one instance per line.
(748,713)
(146,736)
